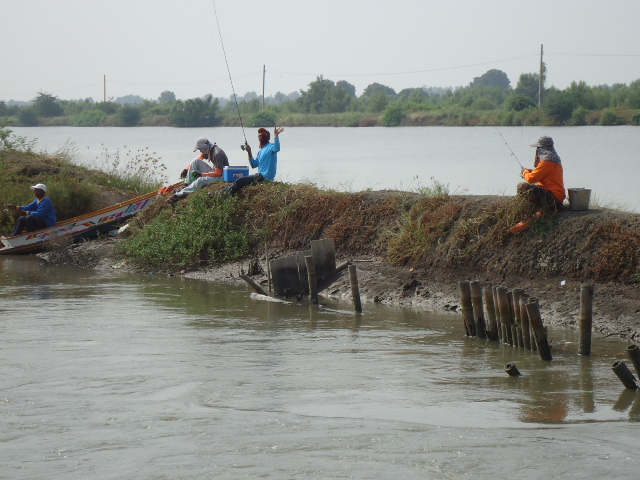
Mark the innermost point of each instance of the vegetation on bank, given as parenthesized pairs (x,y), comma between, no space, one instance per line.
(426,229)
(488,100)
(74,189)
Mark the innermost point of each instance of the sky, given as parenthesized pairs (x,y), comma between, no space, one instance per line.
(67,48)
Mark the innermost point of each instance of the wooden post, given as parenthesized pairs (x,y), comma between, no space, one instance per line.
(492,324)
(533,309)
(313,284)
(496,303)
(633,352)
(512,319)
(355,290)
(467,308)
(524,319)
(512,370)
(517,293)
(503,308)
(478,309)
(625,375)
(257,288)
(586,321)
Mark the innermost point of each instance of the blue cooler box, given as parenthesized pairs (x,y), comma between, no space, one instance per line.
(231,173)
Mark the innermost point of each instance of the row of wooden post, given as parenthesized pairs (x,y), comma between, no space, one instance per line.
(512,316)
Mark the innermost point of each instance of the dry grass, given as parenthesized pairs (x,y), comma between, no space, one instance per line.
(616,256)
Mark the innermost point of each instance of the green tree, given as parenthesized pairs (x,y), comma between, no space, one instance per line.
(374,88)
(27,117)
(560,105)
(518,102)
(529,86)
(314,100)
(47,105)
(347,87)
(393,114)
(128,116)
(167,97)
(263,118)
(195,112)
(492,78)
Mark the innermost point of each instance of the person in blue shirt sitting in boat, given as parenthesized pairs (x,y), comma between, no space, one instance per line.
(39,213)
(266,161)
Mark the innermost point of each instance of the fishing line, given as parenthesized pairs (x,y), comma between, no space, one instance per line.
(508,146)
(235,97)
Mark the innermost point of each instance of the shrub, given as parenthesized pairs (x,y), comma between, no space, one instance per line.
(90,118)
(27,117)
(393,115)
(207,231)
(262,118)
(609,118)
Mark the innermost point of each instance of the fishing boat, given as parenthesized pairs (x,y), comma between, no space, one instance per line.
(84,226)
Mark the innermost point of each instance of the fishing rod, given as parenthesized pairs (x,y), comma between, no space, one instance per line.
(508,146)
(235,97)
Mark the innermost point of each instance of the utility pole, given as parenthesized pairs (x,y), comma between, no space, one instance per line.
(264,73)
(105,88)
(540,82)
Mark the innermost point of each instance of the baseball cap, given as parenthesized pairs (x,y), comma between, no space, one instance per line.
(40,186)
(201,143)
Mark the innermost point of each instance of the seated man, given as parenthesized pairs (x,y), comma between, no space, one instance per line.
(266,161)
(198,173)
(544,185)
(39,213)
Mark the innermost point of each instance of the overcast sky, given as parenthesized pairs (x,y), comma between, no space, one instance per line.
(144,47)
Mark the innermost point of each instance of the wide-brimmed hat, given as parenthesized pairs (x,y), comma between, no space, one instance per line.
(544,142)
(39,186)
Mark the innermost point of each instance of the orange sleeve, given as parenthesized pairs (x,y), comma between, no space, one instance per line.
(216,173)
(549,176)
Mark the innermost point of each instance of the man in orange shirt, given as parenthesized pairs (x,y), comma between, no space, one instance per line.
(544,185)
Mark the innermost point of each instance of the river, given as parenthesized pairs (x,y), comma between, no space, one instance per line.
(109,375)
(473,160)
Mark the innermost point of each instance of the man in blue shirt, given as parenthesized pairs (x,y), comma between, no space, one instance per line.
(266,161)
(39,213)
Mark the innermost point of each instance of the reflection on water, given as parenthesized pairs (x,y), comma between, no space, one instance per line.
(111,375)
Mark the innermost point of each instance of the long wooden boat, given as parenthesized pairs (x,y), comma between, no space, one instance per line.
(85,226)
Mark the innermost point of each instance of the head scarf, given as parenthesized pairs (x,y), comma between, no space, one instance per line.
(546,151)
(548,154)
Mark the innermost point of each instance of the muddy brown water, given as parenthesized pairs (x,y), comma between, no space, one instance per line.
(110,375)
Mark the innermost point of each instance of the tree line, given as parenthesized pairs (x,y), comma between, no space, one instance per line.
(488,99)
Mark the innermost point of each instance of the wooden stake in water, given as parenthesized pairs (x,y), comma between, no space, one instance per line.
(478,310)
(467,308)
(492,324)
(586,321)
(313,283)
(533,309)
(625,375)
(355,289)
(503,308)
(633,352)
(524,320)
(512,370)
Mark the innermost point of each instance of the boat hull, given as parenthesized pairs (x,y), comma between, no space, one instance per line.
(84,226)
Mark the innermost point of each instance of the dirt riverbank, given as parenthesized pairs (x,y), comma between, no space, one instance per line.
(551,267)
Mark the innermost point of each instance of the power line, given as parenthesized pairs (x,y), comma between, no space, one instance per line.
(414,71)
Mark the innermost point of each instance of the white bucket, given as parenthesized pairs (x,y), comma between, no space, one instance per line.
(579,198)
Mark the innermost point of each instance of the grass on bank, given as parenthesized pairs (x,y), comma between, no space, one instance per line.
(74,189)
